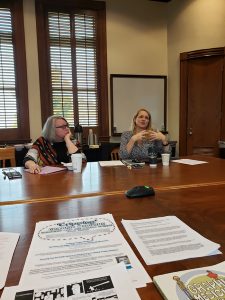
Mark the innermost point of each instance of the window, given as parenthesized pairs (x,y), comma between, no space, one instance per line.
(14,124)
(8,109)
(72,59)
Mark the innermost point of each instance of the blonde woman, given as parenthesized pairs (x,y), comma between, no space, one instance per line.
(135,144)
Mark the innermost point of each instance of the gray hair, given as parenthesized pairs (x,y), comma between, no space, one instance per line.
(48,131)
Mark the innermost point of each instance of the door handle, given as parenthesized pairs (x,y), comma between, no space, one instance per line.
(190,131)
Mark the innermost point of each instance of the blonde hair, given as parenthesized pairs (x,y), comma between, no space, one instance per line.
(135,117)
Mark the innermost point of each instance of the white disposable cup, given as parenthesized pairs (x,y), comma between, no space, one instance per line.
(165,159)
(76,162)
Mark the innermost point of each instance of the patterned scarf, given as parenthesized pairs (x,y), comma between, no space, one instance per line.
(47,155)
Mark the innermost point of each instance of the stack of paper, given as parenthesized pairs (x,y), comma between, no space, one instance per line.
(49,170)
(110,163)
(167,239)
(191,162)
(8,243)
(108,283)
(68,247)
(80,258)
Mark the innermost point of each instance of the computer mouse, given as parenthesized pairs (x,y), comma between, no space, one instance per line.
(140,191)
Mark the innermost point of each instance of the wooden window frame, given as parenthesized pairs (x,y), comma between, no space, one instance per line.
(22,133)
(42,7)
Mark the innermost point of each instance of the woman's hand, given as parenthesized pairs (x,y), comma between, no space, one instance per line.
(139,136)
(69,144)
(157,135)
(32,167)
(68,136)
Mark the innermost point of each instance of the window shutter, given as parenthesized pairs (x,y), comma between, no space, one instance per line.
(8,101)
(74,67)
(86,68)
(61,65)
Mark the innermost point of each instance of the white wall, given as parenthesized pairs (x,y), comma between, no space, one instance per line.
(143,37)
(136,44)
(192,25)
(32,69)
(136,37)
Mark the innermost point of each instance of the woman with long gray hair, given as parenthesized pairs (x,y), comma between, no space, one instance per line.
(53,147)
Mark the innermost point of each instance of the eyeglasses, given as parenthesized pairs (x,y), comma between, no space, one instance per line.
(63,126)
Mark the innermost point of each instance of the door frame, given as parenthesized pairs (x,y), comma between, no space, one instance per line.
(183,117)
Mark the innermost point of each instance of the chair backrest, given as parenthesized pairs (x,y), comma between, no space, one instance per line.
(115,154)
(8,153)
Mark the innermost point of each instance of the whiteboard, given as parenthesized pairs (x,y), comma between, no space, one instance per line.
(132,92)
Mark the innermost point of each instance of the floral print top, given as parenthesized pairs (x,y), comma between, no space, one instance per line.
(139,152)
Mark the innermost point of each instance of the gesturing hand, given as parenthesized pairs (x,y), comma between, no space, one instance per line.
(140,136)
(157,135)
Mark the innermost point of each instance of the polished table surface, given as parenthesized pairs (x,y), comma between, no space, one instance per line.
(201,207)
(97,180)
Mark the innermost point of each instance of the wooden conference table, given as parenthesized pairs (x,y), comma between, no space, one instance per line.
(201,207)
(96,180)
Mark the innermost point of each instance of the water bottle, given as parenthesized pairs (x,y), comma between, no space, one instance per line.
(90,137)
(152,153)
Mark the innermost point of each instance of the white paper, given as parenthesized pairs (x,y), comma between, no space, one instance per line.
(108,283)
(110,163)
(51,169)
(167,239)
(191,162)
(48,170)
(8,243)
(66,247)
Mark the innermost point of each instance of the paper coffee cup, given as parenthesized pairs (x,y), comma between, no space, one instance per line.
(76,162)
(165,159)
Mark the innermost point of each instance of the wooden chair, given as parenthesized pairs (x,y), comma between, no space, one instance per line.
(7,153)
(115,154)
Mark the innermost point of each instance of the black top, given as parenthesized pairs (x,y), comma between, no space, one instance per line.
(61,152)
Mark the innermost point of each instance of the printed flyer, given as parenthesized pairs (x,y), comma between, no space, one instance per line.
(67,247)
(206,283)
(109,283)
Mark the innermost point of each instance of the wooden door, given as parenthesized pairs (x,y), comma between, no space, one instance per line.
(201,104)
